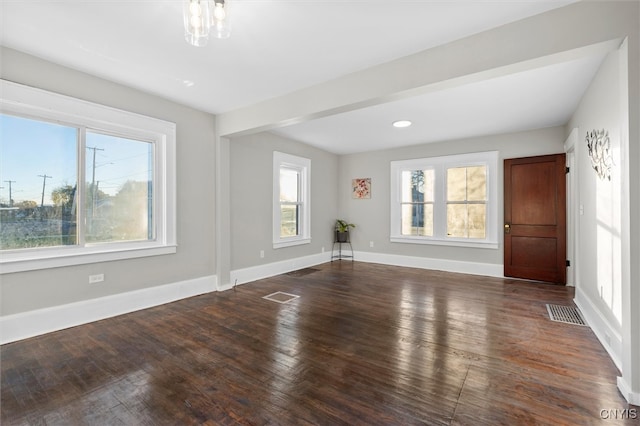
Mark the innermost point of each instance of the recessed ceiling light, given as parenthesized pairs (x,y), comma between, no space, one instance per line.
(401,123)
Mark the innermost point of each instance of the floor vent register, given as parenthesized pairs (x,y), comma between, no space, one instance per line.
(565,314)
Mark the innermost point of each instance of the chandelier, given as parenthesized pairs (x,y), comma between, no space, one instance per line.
(201,17)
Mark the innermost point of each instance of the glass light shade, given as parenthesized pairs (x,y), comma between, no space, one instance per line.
(220,18)
(197,21)
(219,12)
(222,29)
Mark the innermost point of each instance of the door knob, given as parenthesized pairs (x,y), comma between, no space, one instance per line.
(507,228)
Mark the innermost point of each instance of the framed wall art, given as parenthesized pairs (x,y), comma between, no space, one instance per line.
(361,188)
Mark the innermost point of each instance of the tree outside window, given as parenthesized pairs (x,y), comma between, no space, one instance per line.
(448,200)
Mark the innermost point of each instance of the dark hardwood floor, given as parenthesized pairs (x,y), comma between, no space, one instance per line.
(362,344)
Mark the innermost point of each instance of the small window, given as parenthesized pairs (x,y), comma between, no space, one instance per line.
(448,200)
(291,213)
(290,202)
(81,182)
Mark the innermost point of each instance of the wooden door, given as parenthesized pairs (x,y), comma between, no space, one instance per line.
(535,218)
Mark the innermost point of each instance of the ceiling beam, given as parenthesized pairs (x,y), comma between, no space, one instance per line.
(578,30)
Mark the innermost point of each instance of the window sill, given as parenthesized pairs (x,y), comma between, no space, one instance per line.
(60,257)
(292,242)
(440,242)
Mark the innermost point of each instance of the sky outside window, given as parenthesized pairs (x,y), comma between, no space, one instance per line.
(30,149)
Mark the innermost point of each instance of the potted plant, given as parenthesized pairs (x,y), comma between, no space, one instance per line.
(342,230)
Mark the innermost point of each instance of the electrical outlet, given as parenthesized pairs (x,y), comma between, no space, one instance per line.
(370,243)
(261,254)
(323,249)
(98,278)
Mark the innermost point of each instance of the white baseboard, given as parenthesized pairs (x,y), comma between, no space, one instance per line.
(627,392)
(254,273)
(259,272)
(34,323)
(608,335)
(474,268)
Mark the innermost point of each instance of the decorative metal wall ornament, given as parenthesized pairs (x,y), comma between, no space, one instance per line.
(600,152)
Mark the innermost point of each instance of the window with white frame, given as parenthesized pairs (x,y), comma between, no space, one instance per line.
(81,182)
(291,206)
(449,200)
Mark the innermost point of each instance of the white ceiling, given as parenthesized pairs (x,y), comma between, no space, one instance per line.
(278,47)
(528,100)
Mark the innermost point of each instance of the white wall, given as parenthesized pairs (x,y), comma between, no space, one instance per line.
(599,227)
(372,216)
(606,290)
(599,261)
(195,258)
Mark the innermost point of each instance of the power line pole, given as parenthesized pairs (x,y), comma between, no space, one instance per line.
(93,174)
(93,187)
(10,197)
(44,183)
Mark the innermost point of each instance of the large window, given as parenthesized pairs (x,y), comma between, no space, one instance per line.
(291,212)
(80,182)
(448,200)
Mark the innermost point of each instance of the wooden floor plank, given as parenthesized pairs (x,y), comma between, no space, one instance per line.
(362,344)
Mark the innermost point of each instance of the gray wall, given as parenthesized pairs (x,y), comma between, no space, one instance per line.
(556,32)
(252,194)
(372,216)
(195,255)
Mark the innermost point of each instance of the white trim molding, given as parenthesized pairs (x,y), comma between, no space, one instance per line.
(254,273)
(473,268)
(439,167)
(302,168)
(607,334)
(88,117)
(41,321)
(627,392)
